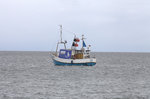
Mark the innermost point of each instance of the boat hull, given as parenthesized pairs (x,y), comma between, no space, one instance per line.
(74,62)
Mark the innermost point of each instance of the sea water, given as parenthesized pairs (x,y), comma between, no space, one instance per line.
(32,75)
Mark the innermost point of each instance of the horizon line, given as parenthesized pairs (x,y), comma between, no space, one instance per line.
(91,51)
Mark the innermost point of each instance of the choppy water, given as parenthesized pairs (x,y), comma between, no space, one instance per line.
(32,75)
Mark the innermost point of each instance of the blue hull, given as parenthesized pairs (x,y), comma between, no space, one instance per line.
(73,64)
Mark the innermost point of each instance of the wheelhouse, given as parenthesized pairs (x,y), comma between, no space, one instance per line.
(65,53)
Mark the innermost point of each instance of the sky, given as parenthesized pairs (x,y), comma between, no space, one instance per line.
(108,25)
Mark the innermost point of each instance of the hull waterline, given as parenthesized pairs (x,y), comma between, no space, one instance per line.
(73,64)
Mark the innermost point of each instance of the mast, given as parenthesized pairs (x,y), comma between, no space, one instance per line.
(60,33)
(82,41)
(60,42)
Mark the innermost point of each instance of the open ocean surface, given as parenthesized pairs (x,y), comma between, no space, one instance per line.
(32,75)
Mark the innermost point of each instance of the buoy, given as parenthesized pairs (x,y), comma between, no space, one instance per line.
(76,39)
(76,45)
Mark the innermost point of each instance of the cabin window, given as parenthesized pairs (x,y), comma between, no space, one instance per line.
(62,52)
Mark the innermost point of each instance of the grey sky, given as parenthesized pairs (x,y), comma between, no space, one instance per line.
(109,25)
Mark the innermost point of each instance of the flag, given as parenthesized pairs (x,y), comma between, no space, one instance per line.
(84,45)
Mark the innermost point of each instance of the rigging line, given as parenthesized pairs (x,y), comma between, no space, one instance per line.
(66,30)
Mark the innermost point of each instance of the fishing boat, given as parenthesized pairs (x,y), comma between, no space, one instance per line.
(73,56)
